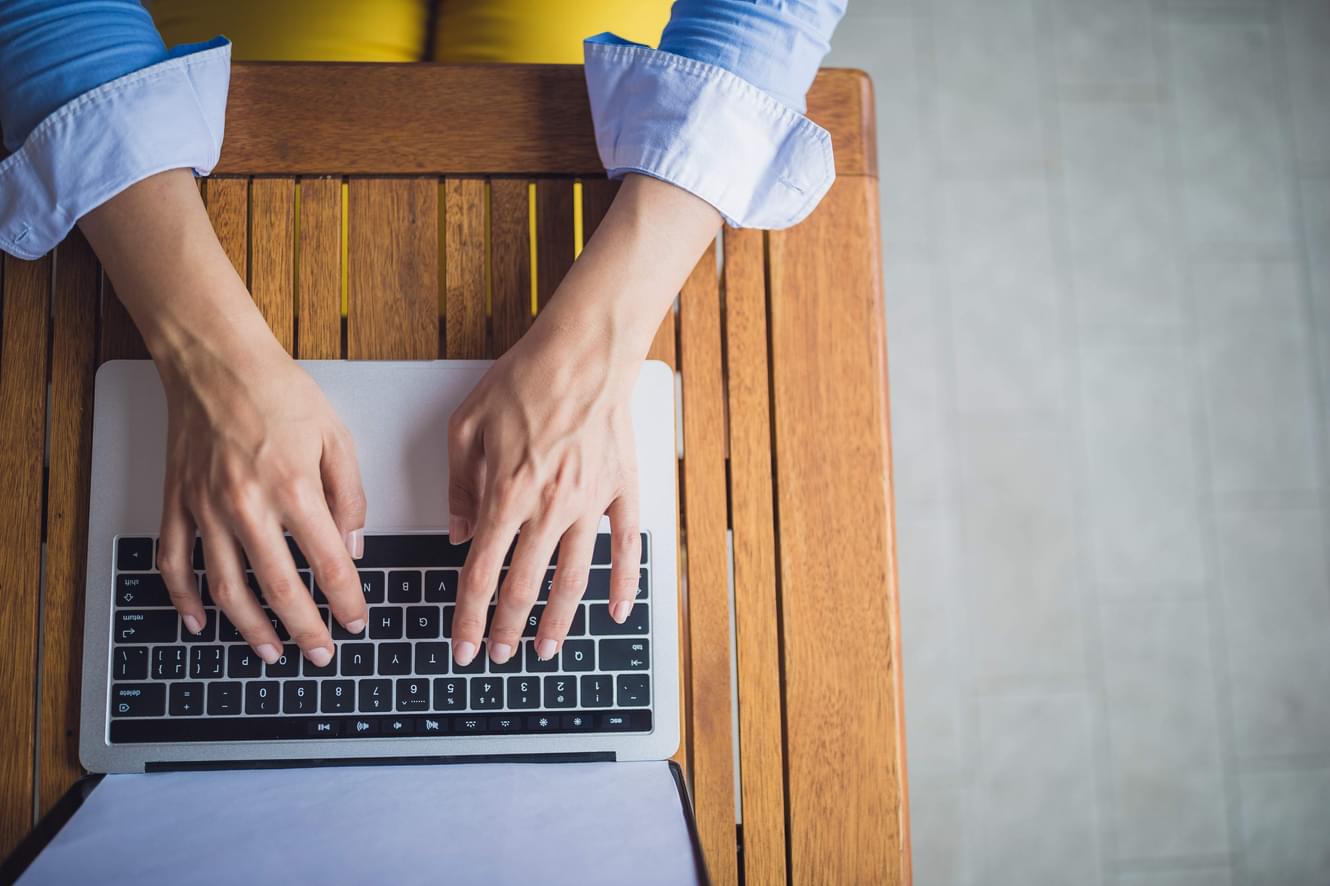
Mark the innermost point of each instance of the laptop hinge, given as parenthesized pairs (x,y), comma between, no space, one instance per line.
(198,765)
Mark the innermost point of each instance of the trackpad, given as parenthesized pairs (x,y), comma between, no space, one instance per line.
(454,823)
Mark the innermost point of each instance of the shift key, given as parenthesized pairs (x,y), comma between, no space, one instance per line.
(146,626)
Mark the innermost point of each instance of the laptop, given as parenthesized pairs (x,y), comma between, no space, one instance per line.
(162,707)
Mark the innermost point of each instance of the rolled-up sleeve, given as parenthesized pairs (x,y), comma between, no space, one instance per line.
(717,109)
(91,102)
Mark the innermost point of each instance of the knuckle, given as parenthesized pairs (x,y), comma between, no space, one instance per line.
(555,623)
(338,575)
(227,594)
(172,563)
(281,590)
(468,623)
(569,585)
(308,637)
(624,541)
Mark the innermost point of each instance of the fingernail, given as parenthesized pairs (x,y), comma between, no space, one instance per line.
(319,656)
(500,652)
(620,611)
(355,543)
(459,529)
(192,624)
(466,650)
(268,653)
(545,649)
(355,626)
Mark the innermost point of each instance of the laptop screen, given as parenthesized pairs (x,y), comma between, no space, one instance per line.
(462,823)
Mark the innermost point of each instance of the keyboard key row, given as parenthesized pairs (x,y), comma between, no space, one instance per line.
(276,728)
(406,694)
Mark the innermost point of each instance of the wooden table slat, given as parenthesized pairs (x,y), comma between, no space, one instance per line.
(120,338)
(23,336)
(554,235)
(464,294)
(73,362)
(704,519)
(510,262)
(392,269)
(227,200)
(319,264)
(272,251)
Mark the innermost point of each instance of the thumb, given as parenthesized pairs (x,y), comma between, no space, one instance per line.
(344,492)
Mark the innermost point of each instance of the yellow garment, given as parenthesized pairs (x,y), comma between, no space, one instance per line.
(524,31)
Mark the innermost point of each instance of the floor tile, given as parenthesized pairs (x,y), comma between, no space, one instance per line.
(1104,49)
(1284,827)
(1307,44)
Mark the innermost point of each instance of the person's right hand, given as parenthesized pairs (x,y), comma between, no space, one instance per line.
(252,450)
(253,447)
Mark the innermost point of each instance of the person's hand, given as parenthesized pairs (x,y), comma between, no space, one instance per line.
(253,448)
(544,445)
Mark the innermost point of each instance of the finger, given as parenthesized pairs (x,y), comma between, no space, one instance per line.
(535,547)
(476,586)
(344,493)
(466,477)
(317,535)
(282,588)
(625,552)
(175,561)
(570,578)
(231,593)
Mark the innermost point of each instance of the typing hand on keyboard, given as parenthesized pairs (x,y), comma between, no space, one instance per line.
(544,445)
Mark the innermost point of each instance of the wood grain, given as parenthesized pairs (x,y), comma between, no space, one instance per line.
(73,360)
(120,338)
(227,200)
(272,250)
(554,235)
(329,118)
(510,262)
(704,517)
(392,272)
(836,536)
(597,195)
(757,633)
(319,317)
(464,294)
(23,335)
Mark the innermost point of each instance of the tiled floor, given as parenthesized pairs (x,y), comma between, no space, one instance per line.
(1107,240)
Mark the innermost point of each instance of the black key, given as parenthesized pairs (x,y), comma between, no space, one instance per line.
(241,661)
(419,550)
(634,690)
(207,662)
(523,692)
(186,699)
(362,726)
(432,658)
(371,584)
(399,726)
(601,556)
(198,553)
(133,553)
(624,655)
(204,593)
(486,692)
(542,723)
(576,722)
(287,664)
(282,633)
(296,555)
(317,592)
(261,697)
(449,694)
(598,584)
(207,635)
(309,669)
(341,633)
(376,696)
(404,587)
(337,696)
(413,694)
(561,692)
(138,699)
(422,622)
(432,726)
(223,699)
(227,632)
(615,723)
(597,691)
(385,623)
(533,663)
(394,658)
(446,622)
(130,663)
(638,621)
(471,725)
(477,665)
(146,626)
(299,697)
(323,727)
(578,655)
(510,723)
(441,585)
(141,590)
(169,662)
(357,659)
(533,619)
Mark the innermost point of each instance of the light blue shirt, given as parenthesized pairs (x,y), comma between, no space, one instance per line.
(91,101)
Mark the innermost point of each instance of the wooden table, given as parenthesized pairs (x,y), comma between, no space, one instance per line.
(438,172)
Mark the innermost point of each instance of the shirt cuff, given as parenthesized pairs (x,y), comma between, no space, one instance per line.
(760,163)
(170,115)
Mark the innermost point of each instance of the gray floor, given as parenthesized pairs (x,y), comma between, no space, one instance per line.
(1107,243)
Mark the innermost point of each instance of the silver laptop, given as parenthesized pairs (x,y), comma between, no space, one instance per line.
(157,698)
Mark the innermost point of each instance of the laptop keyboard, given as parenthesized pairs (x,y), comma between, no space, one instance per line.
(397,678)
